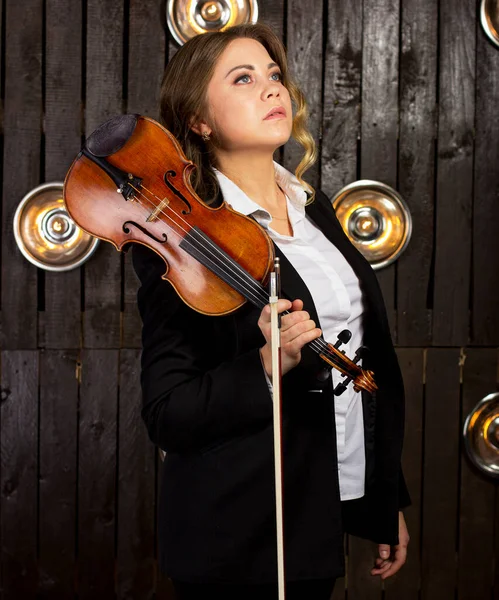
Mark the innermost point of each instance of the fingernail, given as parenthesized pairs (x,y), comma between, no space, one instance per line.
(384,554)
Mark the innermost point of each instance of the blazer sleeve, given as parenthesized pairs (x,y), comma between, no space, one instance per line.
(186,405)
(404,497)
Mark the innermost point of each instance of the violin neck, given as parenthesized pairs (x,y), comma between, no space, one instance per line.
(209,254)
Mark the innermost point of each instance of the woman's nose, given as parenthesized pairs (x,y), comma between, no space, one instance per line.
(272,89)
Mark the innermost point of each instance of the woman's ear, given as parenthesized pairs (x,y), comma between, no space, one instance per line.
(199,126)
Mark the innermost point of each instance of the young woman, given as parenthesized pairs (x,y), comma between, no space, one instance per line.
(206,380)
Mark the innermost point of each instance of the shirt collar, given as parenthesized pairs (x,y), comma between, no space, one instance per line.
(241,202)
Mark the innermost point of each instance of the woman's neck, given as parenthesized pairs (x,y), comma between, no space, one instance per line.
(256,178)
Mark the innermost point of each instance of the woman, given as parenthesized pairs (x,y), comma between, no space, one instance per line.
(206,380)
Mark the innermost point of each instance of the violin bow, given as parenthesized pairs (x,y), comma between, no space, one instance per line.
(275,323)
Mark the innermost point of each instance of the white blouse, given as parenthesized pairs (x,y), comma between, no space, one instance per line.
(337,297)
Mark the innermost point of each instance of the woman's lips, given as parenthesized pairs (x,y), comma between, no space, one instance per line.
(279,113)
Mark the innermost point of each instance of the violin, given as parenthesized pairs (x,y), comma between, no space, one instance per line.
(130,183)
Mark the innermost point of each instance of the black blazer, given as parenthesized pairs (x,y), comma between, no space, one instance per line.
(206,403)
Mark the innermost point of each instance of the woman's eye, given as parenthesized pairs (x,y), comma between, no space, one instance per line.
(248,75)
(241,77)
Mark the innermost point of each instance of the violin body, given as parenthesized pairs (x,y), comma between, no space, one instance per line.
(130,183)
(160,210)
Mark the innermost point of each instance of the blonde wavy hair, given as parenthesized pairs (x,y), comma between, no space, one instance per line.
(183,99)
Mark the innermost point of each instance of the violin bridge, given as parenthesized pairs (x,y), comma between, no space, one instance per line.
(159,209)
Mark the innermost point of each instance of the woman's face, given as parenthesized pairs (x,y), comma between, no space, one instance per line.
(240,98)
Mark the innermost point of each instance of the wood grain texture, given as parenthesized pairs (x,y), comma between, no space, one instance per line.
(273,14)
(60,322)
(441,472)
(454,173)
(58,473)
(361,585)
(418,63)
(21,166)
(18,473)
(477,491)
(136,488)
(380,113)
(97,473)
(304,44)
(104,99)
(406,583)
(341,106)
(485,324)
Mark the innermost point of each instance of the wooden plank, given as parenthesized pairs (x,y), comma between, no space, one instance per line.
(97,474)
(146,61)
(104,87)
(18,473)
(441,470)
(361,585)
(304,33)
(341,108)
(485,324)
(454,172)
(418,63)
(21,166)
(273,14)
(60,322)
(58,473)
(136,488)
(406,583)
(477,493)
(380,111)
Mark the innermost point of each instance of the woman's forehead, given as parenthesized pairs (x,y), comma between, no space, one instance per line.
(243,51)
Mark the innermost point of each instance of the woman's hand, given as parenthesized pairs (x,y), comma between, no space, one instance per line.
(391,559)
(297,329)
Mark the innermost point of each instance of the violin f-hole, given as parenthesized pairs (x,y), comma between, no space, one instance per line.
(148,233)
(172,173)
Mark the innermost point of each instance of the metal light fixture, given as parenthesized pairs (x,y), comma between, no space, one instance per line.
(45,233)
(489,18)
(375,218)
(481,435)
(188,18)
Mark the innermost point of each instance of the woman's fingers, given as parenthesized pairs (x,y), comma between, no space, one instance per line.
(297,330)
(282,305)
(295,345)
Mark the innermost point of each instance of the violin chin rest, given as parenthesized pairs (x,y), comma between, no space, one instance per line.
(112,135)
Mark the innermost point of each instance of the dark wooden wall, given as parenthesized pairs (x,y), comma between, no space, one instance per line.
(402,91)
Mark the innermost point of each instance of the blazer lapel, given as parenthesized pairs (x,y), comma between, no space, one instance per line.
(293,287)
(322,214)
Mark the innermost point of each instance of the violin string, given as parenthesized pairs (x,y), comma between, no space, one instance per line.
(319,344)
(244,277)
(187,242)
(243,283)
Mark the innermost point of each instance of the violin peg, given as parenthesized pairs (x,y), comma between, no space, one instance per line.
(343,338)
(361,352)
(339,389)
